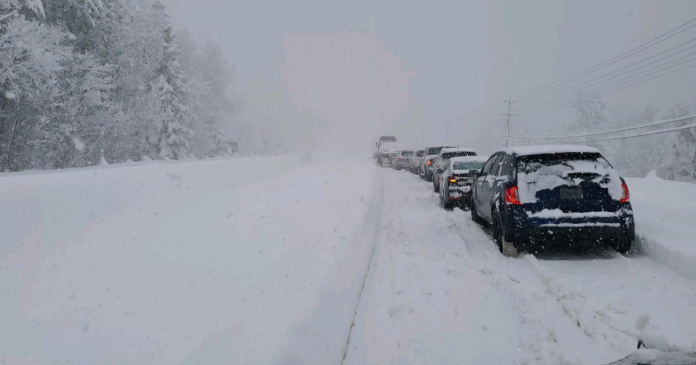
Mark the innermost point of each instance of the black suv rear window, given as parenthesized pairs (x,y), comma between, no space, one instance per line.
(448,155)
(557,163)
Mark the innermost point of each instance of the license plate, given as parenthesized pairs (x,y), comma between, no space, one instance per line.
(461,183)
(571,193)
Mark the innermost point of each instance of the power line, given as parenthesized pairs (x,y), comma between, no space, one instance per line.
(623,68)
(661,131)
(653,124)
(603,90)
(611,61)
(598,83)
(606,89)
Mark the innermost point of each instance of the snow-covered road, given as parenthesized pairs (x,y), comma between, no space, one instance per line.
(438,292)
(265,261)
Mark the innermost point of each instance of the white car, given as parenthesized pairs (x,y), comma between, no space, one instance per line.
(429,157)
(416,160)
(402,160)
(387,151)
(457,179)
(441,161)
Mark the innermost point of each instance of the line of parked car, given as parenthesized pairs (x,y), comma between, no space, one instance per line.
(533,198)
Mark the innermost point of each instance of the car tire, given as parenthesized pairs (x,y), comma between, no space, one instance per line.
(474,214)
(622,246)
(507,248)
(435,189)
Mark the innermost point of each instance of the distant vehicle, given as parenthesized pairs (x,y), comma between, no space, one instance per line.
(457,179)
(403,159)
(415,161)
(378,144)
(429,157)
(441,162)
(553,195)
(387,151)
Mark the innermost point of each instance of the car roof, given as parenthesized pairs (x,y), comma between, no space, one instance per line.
(456,149)
(469,159)
(391,147)
(548,149)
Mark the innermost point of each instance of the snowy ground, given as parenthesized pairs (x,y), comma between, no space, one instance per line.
(243,261)
(439,292)
(262,261)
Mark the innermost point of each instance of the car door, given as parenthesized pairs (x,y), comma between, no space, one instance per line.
(479,196)
(489,185)
(444,185)
(500,172)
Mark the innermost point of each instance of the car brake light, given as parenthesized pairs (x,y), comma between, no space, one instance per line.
(429,162)
(399,158)
(626,195)
(512,196)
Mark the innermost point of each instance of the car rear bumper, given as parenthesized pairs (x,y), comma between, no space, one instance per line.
(462,192)
(590,231)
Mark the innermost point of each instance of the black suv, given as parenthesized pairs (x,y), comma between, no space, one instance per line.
(541,196)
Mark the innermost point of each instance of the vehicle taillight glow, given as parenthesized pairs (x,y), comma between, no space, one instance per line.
(430,162)
(626,195)
(512,196)
(399,158)
(452,180)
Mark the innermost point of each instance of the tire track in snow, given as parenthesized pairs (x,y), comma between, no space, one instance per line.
(378,225)
(550,341)
(607,316)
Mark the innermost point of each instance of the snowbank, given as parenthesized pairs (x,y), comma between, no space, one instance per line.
(243,261)
(665,213)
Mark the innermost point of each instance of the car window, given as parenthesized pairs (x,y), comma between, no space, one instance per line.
(496,165)
(489,163)
(467,165)
(506,166)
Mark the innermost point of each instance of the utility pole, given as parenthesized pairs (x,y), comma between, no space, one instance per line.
(447,134)
(507,128)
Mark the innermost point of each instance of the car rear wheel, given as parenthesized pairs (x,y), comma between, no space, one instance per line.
(622,246)
(506,247)
(474,213)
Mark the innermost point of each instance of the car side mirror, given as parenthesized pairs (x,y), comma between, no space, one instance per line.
(439,171)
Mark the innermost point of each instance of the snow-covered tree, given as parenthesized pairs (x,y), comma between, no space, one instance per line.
(175,117)
(590,111)
(82,80)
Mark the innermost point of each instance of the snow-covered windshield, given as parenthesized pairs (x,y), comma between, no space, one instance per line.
(468,165)
(536,173)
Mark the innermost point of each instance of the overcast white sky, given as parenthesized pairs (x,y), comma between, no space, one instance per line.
(392,66)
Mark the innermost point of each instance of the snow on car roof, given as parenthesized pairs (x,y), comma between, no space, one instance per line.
(548,149)
(391,147)
(456,149)
(469,159)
